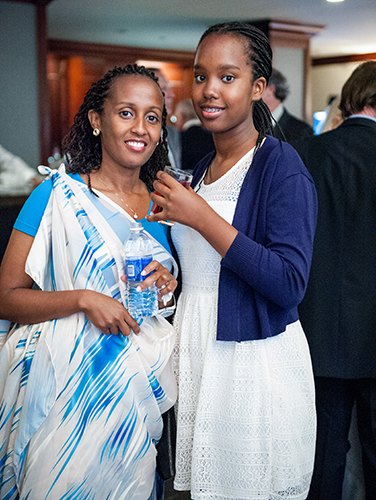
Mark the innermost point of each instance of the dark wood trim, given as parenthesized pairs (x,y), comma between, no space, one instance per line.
(69,48)
(307,88)
(321,61)
(40,3)
(43,102)
(8,200)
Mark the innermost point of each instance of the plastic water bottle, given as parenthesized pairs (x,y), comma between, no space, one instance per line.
(138,254)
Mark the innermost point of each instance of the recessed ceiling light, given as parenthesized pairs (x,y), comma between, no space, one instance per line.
(334,1)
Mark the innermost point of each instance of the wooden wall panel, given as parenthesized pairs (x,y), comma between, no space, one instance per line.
(73,67)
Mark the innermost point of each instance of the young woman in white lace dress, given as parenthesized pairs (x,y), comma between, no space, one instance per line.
(244,235)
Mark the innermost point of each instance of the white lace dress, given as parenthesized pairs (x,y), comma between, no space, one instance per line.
(246,414)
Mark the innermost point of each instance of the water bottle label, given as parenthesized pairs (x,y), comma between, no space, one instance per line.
(135,266)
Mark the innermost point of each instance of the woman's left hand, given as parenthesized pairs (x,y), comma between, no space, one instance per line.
(161,276)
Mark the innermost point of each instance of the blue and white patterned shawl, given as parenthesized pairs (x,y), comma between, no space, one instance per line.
(80,411)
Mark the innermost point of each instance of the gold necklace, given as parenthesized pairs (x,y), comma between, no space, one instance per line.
(135,216)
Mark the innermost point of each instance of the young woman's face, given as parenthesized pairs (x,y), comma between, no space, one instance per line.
(223,91)
(131,121)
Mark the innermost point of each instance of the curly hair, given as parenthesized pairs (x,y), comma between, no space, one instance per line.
(260,56)
(83,150)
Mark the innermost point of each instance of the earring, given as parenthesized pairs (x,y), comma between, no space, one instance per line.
(96,132)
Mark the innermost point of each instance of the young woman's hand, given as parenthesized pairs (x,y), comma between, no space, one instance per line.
(187,207)
(178,203)
(107,314)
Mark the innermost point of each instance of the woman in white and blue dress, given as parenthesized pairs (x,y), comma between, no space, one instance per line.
(244,236)
(82,383)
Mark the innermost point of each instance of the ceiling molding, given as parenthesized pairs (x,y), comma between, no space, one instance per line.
(322,61)
(309,29)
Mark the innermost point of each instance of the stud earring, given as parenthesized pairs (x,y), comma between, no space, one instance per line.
(96,132)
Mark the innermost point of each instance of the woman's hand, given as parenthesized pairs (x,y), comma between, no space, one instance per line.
(107,314)
(16,287)
(187,207)
(178,203)
(160,275)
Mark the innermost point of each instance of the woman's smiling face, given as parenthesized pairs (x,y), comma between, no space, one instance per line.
(223,90)
(131,121)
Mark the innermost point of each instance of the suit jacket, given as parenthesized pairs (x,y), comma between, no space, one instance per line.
(196,142)
(338,312)
(293,128)
(174,145)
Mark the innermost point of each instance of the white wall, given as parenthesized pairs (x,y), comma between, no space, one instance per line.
(19,132)
(290,62)
(327,81)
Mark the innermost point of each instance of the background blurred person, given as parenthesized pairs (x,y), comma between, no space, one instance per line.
(174,144)
(333,117)
(288,127)
(196,142)
(15,174)
(338,312)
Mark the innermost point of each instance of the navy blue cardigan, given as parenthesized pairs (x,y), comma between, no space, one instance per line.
(264,273)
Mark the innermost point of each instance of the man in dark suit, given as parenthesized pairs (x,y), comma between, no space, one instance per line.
(196,142)
(173,137)
(338,312)
(288,127)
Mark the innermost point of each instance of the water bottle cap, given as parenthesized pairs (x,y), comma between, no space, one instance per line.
(136,227)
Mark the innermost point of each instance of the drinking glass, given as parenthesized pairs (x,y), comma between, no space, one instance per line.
(183,178)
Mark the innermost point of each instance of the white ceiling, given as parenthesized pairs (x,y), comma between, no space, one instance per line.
(178,24)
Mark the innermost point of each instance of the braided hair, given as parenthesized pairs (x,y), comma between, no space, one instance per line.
(260,56)
(83,150)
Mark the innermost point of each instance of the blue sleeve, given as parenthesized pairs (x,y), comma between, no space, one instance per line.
(31,214)
(278,267)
